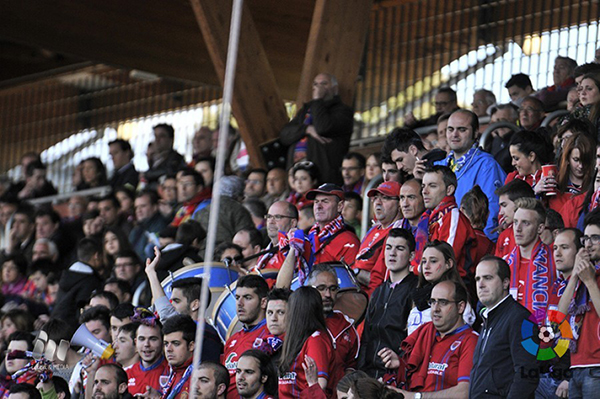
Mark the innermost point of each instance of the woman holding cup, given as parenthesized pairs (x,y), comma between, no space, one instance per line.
(529,150)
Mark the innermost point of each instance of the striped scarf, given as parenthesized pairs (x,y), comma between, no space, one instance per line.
(577,308)
(320,236)
(457,164)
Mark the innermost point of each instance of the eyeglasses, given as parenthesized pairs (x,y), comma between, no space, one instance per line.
(332,288)
(278,217)
(594,238)
(442,302)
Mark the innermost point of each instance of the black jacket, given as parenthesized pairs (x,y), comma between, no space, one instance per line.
(385,323)
(502,368)
(74,290)
(127,176)
(332,119)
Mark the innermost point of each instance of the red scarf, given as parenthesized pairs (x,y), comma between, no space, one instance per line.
(190,207)
(444,207)
(540,276)
(415,360)
(319,236)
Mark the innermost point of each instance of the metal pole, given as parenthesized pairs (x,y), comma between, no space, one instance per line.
(232,52)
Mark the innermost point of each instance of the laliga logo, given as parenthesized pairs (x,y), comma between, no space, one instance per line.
(558,322)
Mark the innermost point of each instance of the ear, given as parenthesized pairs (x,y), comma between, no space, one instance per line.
(195,305)
(264,378)
(340,206)
(411,257)
(541,229)
(122,388)
(221,389)
(531,156)
(293,223)
(461,307)
(191,346)
(263,303)
(412,149)
(450,190)
(506,284)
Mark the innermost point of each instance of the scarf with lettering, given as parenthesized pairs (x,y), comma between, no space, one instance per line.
(457,164)
(540,276)
(580,304)
(318,236)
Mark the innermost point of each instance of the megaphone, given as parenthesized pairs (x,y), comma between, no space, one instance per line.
(83,337)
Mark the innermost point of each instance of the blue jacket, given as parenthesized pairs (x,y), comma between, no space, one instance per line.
(481,169)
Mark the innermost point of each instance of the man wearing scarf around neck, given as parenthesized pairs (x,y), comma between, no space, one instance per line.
(331,240)
(581,302)
(445,222)
(531,261)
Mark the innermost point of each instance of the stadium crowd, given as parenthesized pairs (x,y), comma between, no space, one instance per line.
(477,277)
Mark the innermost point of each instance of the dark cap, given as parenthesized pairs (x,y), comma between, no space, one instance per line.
(327,189)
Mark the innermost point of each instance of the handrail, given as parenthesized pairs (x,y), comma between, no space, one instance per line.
(494,126)
(364,223)
(553,115)
(59,197)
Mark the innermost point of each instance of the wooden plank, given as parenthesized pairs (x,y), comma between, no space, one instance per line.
(257,104)
(335,45)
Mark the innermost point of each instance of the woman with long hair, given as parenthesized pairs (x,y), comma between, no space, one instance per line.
(529,150)
(576,166)
(306,335)
(114,241)
(93,174)
(589,97)
(438,263)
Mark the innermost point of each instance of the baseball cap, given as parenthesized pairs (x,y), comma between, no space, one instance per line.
(327,189)
(389,188)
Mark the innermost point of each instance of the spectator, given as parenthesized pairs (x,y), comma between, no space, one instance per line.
(589,97)
(255,375)
(471,165)
(277,301)
(14,275)
(110,381)
(499,144)
(282,216)
(529,150)
(128,267)
(121,314)
(373,168)
(24,391)
(165,160)
(124,171)
(390,171)
(36,185)
(352,211)
(320,132)
(109,207)
(22,233)
(531,113)
(499,352)
(250,240)
(213,381)
(150,222)
(306,177)
(126,198)
(114,241)
(256,182)
(277,187)
(257,210)
(168,196)
(519,87)
(445,103)
(125,351)
(474,206)
(551,96)
(93,174)
(483,100)
(201,145)
(353,172)
(206,167)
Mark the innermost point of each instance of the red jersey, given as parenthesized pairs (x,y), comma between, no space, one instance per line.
(485,246)
(343,246)
(371,246)
(451,359)
(506,242)
(238,343)
(345,338)
(319,347)
(588,350)
(571,209)
(155,376)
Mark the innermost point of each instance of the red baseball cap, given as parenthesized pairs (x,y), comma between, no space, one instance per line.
(389,188)
(327,189)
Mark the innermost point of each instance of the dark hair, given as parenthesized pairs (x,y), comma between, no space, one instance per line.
(266,367)
(346,381)
(578,125)
(448,91)
(20,262)
(255,206)
(150,194)
(279,294)
(474,120)
(189,231)
(22,336)
(255,236)
(57,330)
(528,141)
(112,299)
(124,243)
(181,323)
(123,285)
(502,268)
(61,386)
(308,167)
(120,374)
(21,318)
(307,307)
(122,311)
(130,328)
(475,206)
(260,286)
(129,253)
(123,145)
(198,179)
(448,253)
(584,69)
(587,156)
(210,159)
(25,209)
(554,220)
(351,195)
(406,234)
(400,139)
(592,218)
(30,390)
(100,171)
(517,188)
(448,176)
(221,374)
(88,215)
(190,288)
(370,388)
(261,171)
(99,313)
(51,213)
(87,248)
(520,80)
(37,164)
(168,128)
(362,161)
(222,247)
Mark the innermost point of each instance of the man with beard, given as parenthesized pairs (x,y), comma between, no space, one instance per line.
(110,382)
(255,376)
(212,382)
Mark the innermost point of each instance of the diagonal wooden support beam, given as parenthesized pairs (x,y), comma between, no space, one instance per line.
(335,45)
(257,104)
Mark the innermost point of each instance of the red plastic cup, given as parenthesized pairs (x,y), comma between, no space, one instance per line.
(550,171)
